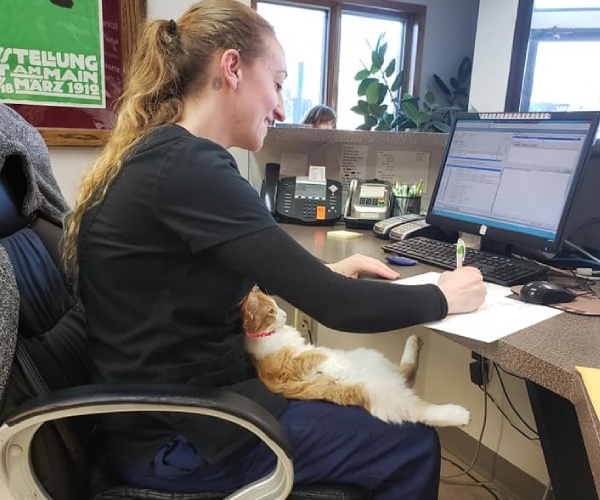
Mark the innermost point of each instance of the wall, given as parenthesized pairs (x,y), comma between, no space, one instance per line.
(450,29)
(491,59)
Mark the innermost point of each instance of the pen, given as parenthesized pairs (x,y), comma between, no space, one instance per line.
(461,250)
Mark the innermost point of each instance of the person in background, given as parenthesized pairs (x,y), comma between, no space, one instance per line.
(320,116)
(167,238)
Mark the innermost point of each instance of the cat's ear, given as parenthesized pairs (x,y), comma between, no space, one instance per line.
(249,310)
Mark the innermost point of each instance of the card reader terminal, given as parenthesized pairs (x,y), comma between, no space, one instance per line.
(383,227)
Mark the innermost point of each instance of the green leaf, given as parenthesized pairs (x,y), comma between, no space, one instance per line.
(397,81)
(357,110)
(422,118)
(377,61)
(379,39)
(363,106)
(441,126)
(372,93)
(377,110)
(409,98)
(383,91)
(362,86)
(440,83)
(381,52)
(391,67)
(362,74)
(364,126)
(411,111)
(370,120)
(454,82)
(430,97)
(383,126)
(464,70)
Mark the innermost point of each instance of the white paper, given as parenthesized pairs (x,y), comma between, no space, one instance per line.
(316,174)
(354,164)
(498,317)
(405,166)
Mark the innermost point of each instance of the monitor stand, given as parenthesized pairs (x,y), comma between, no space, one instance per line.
(496,247)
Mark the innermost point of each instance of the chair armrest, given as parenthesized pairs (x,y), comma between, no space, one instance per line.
(19,428)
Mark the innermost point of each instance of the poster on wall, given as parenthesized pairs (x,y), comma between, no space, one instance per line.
(52,53)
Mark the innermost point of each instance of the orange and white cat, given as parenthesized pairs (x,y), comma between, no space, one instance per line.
(289,365)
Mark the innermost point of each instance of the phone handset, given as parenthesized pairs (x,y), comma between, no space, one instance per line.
(268,188)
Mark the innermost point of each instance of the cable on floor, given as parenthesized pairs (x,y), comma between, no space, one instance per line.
(489,486)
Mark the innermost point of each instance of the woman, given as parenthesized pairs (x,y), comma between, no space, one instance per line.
(165,240)
(320,116)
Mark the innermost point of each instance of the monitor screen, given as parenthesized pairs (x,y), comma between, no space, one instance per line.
(512,177)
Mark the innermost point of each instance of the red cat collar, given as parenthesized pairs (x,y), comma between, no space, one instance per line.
(263,334)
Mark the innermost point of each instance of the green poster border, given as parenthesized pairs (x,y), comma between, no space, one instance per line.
(133,14)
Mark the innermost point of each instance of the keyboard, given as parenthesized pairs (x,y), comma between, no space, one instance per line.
(500,269)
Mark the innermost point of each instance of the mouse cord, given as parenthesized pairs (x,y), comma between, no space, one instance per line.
(584,252)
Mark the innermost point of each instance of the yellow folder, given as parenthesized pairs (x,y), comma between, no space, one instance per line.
(591,381)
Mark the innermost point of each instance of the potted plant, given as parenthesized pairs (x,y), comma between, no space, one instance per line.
(379,83)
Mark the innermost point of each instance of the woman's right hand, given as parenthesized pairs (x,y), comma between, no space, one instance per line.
(463,288)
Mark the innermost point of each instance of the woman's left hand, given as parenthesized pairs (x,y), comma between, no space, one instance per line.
(357,263)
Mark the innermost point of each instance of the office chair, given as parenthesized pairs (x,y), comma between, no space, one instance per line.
(47,438)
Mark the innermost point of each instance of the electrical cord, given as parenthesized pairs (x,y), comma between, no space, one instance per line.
(520,431)
(510,402)
(504,370)
(584,252)
(480,438)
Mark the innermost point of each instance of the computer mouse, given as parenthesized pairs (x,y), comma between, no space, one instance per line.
(545,292)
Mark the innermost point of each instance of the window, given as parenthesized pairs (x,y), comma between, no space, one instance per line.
(327,42)
(554,66)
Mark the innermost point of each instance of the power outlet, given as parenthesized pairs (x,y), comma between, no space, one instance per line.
(302,322)
(479,369)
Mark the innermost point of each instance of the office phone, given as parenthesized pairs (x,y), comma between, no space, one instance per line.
(367,203)
(301,200)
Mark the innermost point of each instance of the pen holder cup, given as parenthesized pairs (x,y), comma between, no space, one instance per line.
(406,205)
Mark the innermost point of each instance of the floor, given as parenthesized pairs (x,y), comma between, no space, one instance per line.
(469,491)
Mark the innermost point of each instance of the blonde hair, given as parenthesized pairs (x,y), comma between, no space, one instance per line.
(169,64)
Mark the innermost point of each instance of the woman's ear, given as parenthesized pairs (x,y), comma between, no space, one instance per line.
(230,65)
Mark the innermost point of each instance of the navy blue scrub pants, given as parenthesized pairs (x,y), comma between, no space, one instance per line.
(330,443)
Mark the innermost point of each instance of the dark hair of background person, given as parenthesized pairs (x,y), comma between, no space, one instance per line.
(320,114)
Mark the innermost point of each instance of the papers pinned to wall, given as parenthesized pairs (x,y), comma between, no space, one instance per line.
(405,166)
(353,164)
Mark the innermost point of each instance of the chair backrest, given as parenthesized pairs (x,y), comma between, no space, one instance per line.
(50,346)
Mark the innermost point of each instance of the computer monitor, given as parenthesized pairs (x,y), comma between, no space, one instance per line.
(511,178)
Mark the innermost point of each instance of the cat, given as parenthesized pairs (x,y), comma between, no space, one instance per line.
(287,364)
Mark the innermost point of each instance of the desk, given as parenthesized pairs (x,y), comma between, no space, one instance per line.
(544,354)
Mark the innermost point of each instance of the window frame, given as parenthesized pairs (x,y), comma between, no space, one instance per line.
(412,14)
(518,89)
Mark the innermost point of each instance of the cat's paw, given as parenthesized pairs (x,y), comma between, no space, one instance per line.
(455,415)
(411,349)
(415,342)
